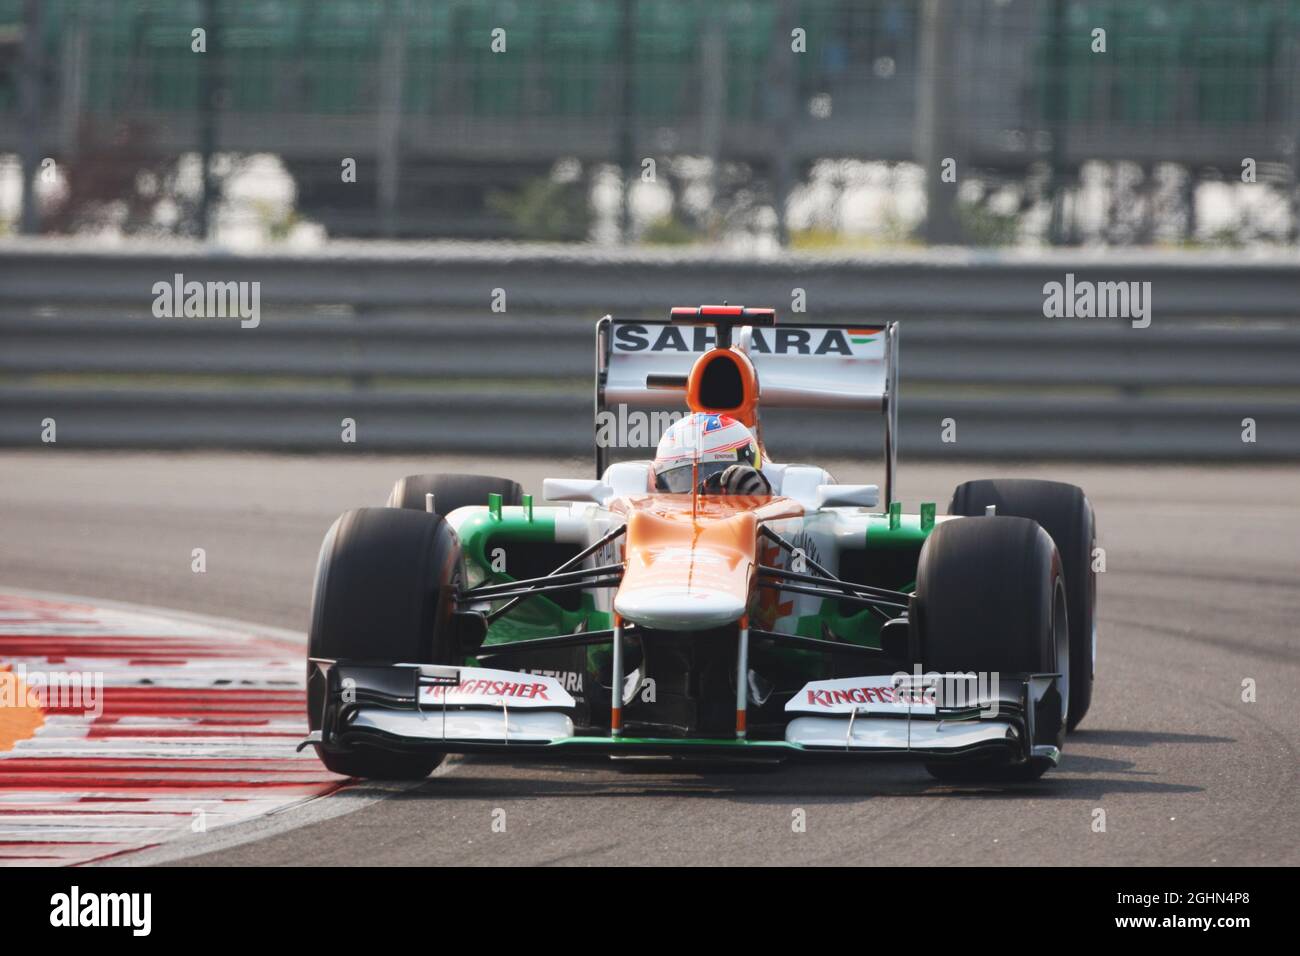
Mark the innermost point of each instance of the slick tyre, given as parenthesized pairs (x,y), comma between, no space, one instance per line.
(1066,514)
(384,589)
(990,597)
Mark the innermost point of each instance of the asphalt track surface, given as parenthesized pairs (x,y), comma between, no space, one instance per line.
(1201,593)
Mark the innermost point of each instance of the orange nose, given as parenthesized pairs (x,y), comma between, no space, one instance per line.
(684,573)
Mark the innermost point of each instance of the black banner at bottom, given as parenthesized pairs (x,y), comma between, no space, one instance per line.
(394,905)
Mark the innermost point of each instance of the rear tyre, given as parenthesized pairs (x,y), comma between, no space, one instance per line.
(990,596)
(452,491)
(1066,514)
(384,589)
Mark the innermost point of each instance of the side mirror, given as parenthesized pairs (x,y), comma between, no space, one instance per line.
(848,496)
(576,489)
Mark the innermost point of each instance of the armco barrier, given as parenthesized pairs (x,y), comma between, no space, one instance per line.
(403,340)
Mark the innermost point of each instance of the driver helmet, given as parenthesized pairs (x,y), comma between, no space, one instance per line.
(714,442)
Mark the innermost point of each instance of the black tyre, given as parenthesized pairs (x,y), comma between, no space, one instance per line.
(1066,514)
(452,491)
(990,596)
(384,593)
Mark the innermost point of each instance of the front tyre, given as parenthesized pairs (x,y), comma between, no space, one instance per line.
(385,583)
(1066,514)
(990,597)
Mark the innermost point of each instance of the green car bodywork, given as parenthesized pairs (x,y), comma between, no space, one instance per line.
(891,539)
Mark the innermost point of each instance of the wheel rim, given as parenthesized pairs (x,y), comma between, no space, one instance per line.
(1061,641)
(1092,597)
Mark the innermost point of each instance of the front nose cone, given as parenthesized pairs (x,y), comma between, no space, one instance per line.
(677,608)
(684,573)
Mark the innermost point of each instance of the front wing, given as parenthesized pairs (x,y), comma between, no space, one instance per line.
(413,708)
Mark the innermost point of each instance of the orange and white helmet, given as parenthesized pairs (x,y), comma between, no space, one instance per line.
(713,442)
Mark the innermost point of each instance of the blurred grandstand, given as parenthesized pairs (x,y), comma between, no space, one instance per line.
(459,141)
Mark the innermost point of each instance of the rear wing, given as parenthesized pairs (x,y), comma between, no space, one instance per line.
(843,366)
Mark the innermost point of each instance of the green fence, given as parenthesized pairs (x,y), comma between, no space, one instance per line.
(1168,62)
(1208,62)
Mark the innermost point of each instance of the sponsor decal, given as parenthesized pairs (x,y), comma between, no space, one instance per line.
(492,688)
(900,693)
(569,680)
(485,687)
(804,542)
(769,607)
(866,695)
(957,689)
(610,553)
(689,557)
(679,573)
(631,337)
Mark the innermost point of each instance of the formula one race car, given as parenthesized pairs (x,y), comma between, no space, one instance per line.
(709,603)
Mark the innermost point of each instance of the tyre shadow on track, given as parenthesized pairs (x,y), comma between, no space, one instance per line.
(1083,763)
(480,778)
(1142,738)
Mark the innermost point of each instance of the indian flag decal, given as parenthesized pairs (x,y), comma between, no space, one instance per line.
(863,336)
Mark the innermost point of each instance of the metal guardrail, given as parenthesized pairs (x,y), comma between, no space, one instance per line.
(497,348)
(573,280)
(560,424)
(404,342)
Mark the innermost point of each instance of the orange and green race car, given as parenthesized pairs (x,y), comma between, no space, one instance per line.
(710,603)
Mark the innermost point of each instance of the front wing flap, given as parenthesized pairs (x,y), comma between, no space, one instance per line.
(426,706)
(932,715)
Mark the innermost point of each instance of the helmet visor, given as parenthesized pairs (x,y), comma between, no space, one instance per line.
(678,480)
